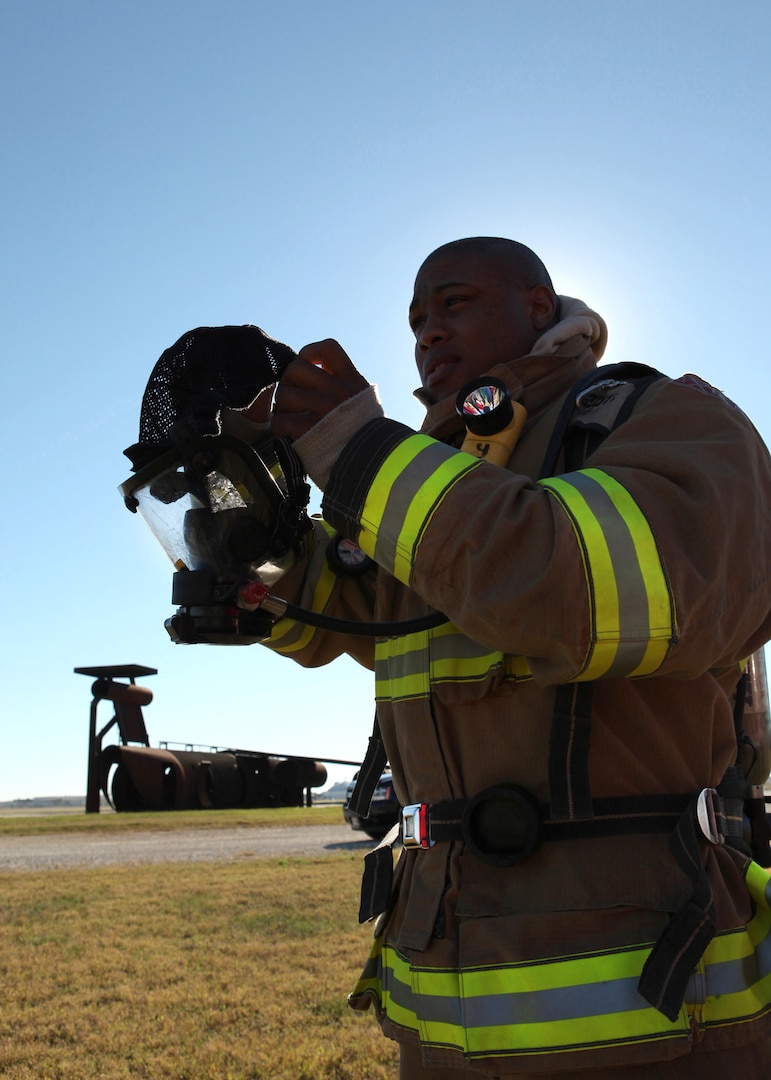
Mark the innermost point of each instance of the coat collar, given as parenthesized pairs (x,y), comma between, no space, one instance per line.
(535,380)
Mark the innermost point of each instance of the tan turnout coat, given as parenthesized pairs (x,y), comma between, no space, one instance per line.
(500,556)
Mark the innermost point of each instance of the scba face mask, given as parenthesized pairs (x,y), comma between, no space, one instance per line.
(225,501)
(227,512)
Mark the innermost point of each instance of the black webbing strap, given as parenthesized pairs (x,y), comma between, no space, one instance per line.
(641,374)
(747,804)
(292,518)
(732,790)
(740,703)
(378,863)
(678,950)
(371,768)
(619,816)
(760,829)
(571,729)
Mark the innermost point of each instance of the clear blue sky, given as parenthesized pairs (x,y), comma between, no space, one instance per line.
(167,165)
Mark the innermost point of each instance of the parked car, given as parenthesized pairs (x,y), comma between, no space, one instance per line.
(383,812)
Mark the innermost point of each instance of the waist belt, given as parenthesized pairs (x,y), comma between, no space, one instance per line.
(503,825)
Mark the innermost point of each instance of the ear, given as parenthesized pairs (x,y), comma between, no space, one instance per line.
(542,307)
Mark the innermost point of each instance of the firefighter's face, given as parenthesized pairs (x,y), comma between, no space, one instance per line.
(469,313)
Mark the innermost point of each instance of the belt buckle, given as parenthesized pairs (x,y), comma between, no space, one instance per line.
(415,826)
(709,814)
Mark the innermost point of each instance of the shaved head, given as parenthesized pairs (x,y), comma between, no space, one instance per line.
(477,303)
(516,261)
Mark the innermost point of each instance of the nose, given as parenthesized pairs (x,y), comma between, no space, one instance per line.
(431,333)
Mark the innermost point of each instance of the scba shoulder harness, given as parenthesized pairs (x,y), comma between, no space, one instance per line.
(503,825)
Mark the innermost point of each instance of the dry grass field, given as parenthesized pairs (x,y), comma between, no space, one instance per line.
(233,971)
(23,824)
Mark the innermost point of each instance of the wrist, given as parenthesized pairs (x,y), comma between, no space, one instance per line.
(320,447)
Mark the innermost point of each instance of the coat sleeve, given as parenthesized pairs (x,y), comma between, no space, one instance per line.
(315,585)
(653,559)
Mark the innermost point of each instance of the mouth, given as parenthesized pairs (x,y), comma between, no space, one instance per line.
(434,369)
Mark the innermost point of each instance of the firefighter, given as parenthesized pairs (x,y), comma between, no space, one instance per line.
(575,896)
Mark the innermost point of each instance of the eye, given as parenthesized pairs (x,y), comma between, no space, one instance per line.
(416,321)
(451,301)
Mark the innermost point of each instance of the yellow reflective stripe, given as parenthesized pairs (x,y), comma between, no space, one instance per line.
(660,610)
(737,966)
(562,1004)
(402,667)
(598,566)
(403,497)
(519,1009)
(571,971)
(456,658)
(516,667)
(390,984)
(585,1033)
(759,885)
(290,636)
(407,667)
(572,1002)
(632,612)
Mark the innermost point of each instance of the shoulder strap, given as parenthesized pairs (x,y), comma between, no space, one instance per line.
(596,405)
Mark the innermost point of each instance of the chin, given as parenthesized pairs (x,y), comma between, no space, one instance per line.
(445,387)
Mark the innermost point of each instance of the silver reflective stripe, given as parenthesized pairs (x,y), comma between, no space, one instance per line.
(734,976)
(633,621)
(631,605)
(401,497)
(561,1003)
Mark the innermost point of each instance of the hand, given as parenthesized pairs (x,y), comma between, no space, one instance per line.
(259,410)
(321,378)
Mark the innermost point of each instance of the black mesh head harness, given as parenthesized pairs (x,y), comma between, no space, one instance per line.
(206,370)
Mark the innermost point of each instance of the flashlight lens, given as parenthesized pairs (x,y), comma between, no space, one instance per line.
(483,399)
(485,406)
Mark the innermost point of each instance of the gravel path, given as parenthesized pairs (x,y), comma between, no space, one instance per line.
(182,845)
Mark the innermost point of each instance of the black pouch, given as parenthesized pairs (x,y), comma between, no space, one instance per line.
(377,879)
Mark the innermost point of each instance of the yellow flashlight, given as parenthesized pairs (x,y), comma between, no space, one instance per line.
(493,421)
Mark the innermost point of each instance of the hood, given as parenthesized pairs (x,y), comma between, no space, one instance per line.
(560,356)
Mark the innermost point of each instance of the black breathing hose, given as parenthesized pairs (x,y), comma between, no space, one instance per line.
(283,609)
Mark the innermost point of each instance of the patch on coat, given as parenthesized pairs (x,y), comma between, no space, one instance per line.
(697,383)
